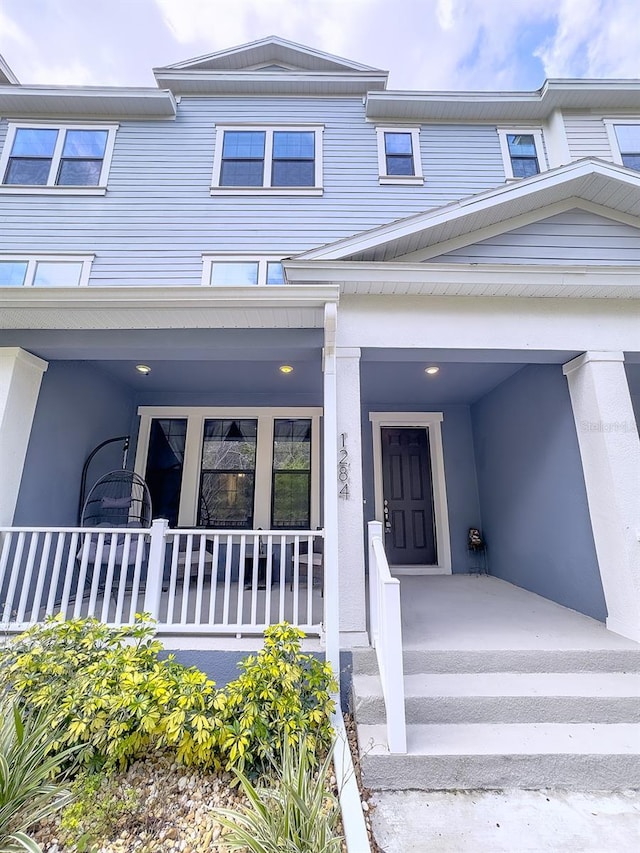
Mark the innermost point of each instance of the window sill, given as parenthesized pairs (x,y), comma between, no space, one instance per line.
(307,191)
(17,189)
(401,180)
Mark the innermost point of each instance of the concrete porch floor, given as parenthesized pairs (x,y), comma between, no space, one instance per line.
(481,613)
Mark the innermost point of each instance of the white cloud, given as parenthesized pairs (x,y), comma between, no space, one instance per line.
(594,38)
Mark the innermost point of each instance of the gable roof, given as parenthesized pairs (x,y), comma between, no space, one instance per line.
(7,77)
(592,181)
(270,64)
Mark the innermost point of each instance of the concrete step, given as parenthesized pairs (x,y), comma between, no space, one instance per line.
(364,661)
(586,757)
(592,697)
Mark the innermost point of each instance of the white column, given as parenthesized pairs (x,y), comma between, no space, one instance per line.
(330,462)
(20,378)
(350,495)
(610,451)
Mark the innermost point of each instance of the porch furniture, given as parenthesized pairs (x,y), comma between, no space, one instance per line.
(118,499)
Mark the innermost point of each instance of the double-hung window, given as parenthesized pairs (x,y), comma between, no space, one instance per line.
(44,270)
(242,270)
(46,158)
(625,143)
(278,160)
(232,468)
(399,160)
(522,152)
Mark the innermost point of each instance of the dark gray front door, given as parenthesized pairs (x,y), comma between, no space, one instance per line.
(408,497)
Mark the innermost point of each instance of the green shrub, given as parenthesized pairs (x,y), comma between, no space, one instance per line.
(282,695)
(296,813)
(111,694)
(101,809)
(28,767)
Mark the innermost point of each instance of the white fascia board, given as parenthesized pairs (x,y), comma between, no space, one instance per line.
(271,82)
(358,276)
(504,106)
(285,296)
(102,102)
(6,74)
(564,178)
(278,49)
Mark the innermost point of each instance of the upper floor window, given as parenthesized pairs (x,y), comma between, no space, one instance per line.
(39,158)
(44,270)
(522,152)
(282,160)
(625,143)
(241,271)
(399,159)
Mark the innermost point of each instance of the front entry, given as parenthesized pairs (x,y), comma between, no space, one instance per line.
(407,485)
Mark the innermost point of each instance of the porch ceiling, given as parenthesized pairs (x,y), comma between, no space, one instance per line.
(188,360)
(397,377)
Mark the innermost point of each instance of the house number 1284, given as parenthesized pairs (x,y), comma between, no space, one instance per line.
(343,468)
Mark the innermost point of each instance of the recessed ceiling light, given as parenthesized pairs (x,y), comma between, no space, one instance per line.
(285,368)
(143,368)
(432,370)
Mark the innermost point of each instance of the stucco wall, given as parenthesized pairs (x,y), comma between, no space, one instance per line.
(532,493)
(78,407)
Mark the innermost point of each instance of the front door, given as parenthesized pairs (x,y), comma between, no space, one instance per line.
(408,516)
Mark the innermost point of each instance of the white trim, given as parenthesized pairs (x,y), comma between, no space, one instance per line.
(610,125)
(567,180)
(417,178)
(265,416)
(32,262)
(536,132)
(262,260)
(269,130)
(51,184)
(432,422)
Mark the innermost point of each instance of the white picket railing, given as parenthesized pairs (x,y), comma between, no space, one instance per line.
(386,637)
(190,581)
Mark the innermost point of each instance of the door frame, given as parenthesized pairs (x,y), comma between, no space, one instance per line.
(431,421)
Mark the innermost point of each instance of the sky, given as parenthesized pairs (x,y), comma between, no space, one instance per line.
(424,44)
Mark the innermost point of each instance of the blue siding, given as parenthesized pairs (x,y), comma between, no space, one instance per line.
(78,407)
(574,237)
(158,216)
(532,493)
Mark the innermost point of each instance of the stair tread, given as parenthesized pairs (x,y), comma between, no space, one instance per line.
(508,739)
(496,684)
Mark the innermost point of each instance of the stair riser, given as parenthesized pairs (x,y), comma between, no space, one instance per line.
(488,772)
(504,709)
(419,661)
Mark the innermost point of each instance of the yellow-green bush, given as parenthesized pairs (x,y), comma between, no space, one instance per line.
(107,690)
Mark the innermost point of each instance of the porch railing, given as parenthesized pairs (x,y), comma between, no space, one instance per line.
(386,637)
(191,581)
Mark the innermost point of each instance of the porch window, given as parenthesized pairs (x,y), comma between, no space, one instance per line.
(291,476)
(227,476)
(165,464)
(232,468)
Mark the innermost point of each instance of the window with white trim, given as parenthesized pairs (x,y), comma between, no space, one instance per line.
(45,270)
(232,468)
(242,270)
(61,158)
(522,152)
(625,143)
(399,160)
(283,160)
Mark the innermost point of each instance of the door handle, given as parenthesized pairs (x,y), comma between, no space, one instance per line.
(387,520)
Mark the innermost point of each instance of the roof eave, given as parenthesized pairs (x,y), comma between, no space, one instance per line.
(269,82)
(78,102)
